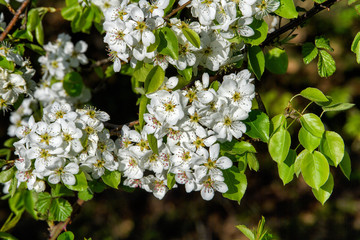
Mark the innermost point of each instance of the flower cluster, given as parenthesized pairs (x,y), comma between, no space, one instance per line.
(130,31)
(61,57)
(61,144)
(15,77)
(187,124)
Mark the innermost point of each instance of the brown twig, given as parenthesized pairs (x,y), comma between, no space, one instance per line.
(14,19)
(61,226)
(298,21)
(174,11)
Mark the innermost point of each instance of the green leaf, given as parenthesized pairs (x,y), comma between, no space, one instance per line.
(312,124)
(23,34)
(323,42)
(168,43)
(35,48)
(258,125)
(298,160)
(16,203)
(236,182)
(247,232)
(279,145)
(39,33)
(81,183)
(59,190)
(326,64)
(9,143)
(4,63)
(237,148)
(97,186)
(154,79)
(319,1)
(192,36)
(315,169)
(153,143)
(186,73)
(256,61)
(325,190)
(7,236)
(30,198)
(70,11)
(355,47)
(260,28)
(309,52)
(142,110)
(11,222)
(66,236)
(252,161)
(338,107)
(215,85)
(287,9)
(154,45)
(286,168)
(112,179)
(87,18)
(309,141)
(141,71)
(6,175)
(170,180)
(333,147)
(85,195)
(276,61)
(169,7)
(33,19)
(60,209)
(43,202)
(314,94)
(345,166)
(277,122)
(73,84)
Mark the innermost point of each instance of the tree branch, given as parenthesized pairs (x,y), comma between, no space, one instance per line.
(14,19)
(173,12)
(298,21)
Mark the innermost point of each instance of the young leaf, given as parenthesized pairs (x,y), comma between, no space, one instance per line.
(298,160)
(33,19)
(43,202)
(247,232)
(256,61)
(309,52)
(252,161)
(307,140)
(258,125)
(154,79)
(66,236)
(338,107)
(324,43)
(70,11)
(325,190)
(112,179)
(186,73)
(287,9)
(39,33)
(326,64)
(276,122)
(279,145)
(85,195)
(170,180)
(60,209)
(286,168)
(142,109)
(345,166)
(236,182)
(168,43)
(260,28)
(141,71)
(312,124)
(315,169)
(192,36)
(153,143)
(73,84)
(276,60)
(314,94)
(4,63)
(30,199)
(333,147)
(355,47)
(6,175)
(81,183)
